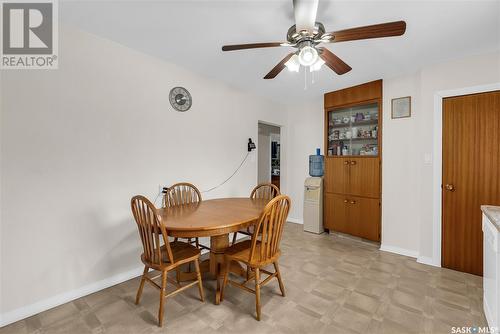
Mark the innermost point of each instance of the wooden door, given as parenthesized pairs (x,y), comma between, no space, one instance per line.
(364,217)
(336,175)
(471,176)
(364,177)
(336,218)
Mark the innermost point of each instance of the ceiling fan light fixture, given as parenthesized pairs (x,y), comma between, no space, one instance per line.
(308,56)
(317,65)
(293,64)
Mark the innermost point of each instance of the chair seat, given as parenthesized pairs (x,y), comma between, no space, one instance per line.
(181,252)
(241,252)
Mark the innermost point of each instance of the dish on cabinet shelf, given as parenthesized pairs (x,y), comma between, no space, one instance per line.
(353,131)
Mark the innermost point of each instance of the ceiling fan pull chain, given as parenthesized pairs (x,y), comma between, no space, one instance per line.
(305,78)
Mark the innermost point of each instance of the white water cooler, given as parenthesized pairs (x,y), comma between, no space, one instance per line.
(313,205)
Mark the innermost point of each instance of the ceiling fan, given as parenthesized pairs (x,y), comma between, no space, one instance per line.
(306,35)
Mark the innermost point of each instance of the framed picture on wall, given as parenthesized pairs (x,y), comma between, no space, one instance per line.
(401,107)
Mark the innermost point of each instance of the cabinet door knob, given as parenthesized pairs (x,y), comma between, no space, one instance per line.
(449,187)
(346,201)
(353,202)
(346,162)
(353,162)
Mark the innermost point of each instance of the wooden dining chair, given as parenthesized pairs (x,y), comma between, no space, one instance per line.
(160,254)
(262,250)
(264,191)
(181,194)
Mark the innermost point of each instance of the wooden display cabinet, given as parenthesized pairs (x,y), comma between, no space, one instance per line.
(352,180)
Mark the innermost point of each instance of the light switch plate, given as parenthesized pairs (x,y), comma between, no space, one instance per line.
(428,158)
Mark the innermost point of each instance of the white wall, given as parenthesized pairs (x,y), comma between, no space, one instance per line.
(305,134)
(400,167)
(80,141)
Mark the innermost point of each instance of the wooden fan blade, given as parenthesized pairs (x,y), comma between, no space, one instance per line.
(249,46)
(278,68)
(334,62)
(397,28)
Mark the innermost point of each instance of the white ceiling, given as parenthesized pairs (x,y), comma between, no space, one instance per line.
(191,33)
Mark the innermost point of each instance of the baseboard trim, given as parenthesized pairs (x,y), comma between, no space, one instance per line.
(399,250)
(46,304)
(488,315)
(295,220)
(428,261)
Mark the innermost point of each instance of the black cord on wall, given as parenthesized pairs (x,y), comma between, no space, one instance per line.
(229,178)
(213,188)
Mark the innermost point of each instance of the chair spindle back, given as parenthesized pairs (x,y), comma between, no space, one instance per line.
(265,191)
(269,229)
(180,194)
(151,230)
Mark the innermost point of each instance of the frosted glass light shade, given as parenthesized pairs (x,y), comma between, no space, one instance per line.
(308,56)
(293,64)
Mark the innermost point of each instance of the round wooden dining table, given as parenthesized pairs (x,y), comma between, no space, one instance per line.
(214,218)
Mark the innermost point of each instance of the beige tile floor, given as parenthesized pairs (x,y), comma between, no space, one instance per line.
(333,284)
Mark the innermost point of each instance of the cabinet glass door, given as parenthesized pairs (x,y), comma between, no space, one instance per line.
(353,131)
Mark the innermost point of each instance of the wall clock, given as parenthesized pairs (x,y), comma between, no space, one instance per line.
(180,99)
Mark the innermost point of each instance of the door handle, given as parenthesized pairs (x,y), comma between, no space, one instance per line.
(346,201)
(449,187)
(352,202)
(353,162)
(346,162)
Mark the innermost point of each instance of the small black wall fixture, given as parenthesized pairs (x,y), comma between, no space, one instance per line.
(251,145)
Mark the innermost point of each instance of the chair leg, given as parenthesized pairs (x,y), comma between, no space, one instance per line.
(189,264)
(178,274)
(197,242)
(280,281)
(234,238)
(226,275)
(257,292)
(141,285)
(162,297)
(198,275)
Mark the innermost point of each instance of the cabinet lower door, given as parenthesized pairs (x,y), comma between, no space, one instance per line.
(364,217)
(336,175)
(364,177)
(335,209)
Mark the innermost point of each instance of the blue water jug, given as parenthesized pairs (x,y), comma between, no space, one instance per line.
(316,163)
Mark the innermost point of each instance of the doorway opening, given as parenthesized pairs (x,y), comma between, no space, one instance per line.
(269,154)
